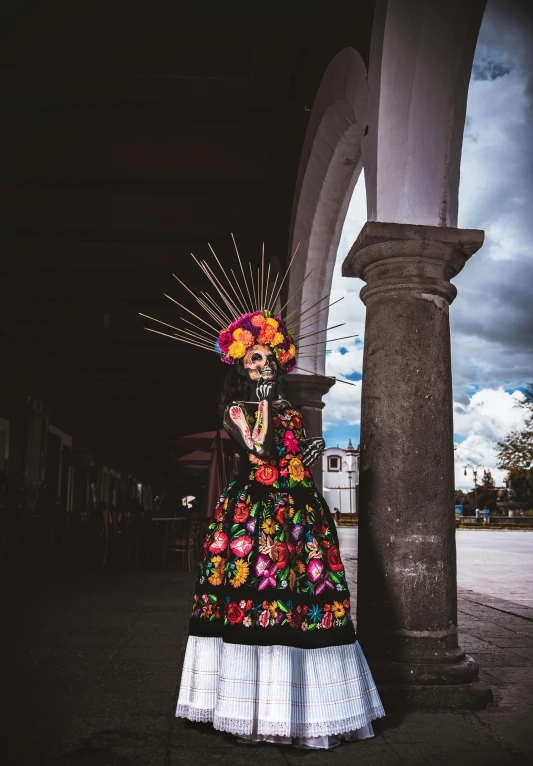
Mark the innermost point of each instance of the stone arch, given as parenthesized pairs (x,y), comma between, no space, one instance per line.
(330,165)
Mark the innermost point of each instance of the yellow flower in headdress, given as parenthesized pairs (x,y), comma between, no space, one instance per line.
(273,322)
(237,333)
(292,351)
(237,350)
(278,338)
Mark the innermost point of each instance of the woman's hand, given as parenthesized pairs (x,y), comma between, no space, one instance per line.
(312,450)
(266,391)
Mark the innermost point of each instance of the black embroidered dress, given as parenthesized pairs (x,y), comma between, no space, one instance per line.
(272,652)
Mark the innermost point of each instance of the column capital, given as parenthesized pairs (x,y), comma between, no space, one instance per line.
(307,390)
(398,257)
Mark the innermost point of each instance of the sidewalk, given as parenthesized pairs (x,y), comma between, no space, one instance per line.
(92,667)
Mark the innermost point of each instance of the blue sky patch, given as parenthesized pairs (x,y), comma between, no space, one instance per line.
(339,436)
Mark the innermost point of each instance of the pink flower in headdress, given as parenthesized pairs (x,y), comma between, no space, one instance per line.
(225,339)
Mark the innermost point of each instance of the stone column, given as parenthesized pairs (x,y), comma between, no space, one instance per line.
(407,586)
(305,393)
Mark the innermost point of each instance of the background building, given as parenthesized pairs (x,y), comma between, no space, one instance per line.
(340,478)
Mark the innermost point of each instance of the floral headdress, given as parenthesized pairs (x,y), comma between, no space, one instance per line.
(258,327)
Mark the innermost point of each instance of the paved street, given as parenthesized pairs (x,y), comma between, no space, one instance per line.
(493,562)
(496,563)
(91,665)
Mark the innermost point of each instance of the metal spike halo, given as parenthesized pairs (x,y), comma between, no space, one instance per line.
(233,332)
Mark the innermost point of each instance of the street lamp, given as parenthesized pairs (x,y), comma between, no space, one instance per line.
(474,471)
(350,470)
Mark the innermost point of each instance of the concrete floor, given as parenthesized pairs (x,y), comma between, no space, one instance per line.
(92,671)
(497,563)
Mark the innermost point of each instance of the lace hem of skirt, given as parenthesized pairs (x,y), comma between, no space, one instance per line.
(277,690)
(194,714)
(278,728)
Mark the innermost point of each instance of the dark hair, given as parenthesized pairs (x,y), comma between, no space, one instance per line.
(236,387)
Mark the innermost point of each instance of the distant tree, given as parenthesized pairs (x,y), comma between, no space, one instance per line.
(521,480)
(487,497)
(516,450)
(460,497)
(488,480)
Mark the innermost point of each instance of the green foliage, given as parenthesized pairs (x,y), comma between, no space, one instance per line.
(516,450)
(488,480)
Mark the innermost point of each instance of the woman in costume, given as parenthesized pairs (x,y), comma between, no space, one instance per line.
(272,653)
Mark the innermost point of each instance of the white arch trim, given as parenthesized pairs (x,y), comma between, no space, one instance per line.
(329,168)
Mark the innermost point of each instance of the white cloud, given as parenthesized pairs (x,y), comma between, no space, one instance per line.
(488,417)
(490,413)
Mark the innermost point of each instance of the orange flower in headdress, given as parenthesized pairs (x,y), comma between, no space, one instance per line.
(267,334)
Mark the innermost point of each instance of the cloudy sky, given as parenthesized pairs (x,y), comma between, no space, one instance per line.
(491,318)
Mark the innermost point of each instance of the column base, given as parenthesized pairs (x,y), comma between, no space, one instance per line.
(472,696)
(458,669)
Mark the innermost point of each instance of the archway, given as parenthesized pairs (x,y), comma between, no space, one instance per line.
(329,168)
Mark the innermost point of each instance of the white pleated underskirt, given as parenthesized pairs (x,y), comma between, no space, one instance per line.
(272,692)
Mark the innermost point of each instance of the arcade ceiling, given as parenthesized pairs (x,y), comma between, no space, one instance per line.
(133,134)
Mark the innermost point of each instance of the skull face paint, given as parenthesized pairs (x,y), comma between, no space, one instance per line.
(260,362)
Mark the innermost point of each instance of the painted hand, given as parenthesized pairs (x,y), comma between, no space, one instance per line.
(312,450)
(266,391)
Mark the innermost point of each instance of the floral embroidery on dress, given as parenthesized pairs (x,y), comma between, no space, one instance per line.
(284,469)
(295,548)
(273,613)
(272,535)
